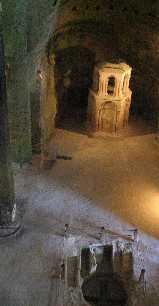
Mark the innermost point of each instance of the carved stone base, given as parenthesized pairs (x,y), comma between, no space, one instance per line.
(10,222)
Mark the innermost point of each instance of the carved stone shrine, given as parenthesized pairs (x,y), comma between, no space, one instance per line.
(110,98)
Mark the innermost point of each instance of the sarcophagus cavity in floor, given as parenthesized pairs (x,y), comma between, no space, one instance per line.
(110,97)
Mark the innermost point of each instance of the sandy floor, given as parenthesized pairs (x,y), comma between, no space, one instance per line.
(112,182)
(119,175)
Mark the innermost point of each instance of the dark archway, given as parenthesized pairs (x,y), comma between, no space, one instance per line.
(73,75)
(105,289)
(35,121)
(142,117)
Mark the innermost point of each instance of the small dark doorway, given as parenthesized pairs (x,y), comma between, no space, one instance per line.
(142,115)
(35,121)
(73,72)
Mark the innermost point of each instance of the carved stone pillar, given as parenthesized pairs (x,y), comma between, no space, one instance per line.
(7,204)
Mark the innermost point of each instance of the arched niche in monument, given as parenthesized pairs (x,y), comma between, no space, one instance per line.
(110,97)
(111,86)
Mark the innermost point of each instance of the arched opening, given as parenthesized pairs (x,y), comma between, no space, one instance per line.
(111,86)
(142,112)
(35,120)
(73,78)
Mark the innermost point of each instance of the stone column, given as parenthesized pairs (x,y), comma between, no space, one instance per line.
(48,112)
(6,177)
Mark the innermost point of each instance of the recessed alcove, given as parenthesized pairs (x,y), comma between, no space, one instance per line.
(73,78)
(106,275)
(105,289)
(111,7)
(142,115)
(75,9)
(35,120)
(98,7)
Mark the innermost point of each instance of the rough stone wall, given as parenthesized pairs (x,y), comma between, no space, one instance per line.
(26,27)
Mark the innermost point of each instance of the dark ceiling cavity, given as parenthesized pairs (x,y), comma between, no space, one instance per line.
(74,9)
(111,7)
(97,8)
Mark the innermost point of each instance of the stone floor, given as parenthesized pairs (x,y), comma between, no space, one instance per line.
(112,182)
